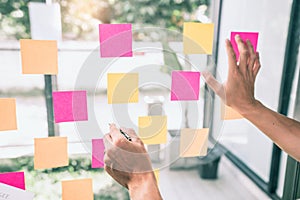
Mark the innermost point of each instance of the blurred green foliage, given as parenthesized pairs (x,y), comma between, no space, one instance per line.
(164,13)
(113,192)
(80,18)
(14,19)
(49,179)
(26,163)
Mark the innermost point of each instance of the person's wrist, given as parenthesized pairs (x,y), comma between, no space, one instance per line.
(144,186)
(251,109)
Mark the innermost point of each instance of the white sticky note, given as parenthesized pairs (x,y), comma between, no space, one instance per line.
(45,21)
(8,192)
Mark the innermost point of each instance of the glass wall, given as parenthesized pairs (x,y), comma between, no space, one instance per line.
(80,21)
(31,106)
(271,20)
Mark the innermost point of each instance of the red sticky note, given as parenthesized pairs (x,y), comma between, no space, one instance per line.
(97,153)
(115,40)
(185,85)
(70,106)
(15,179)
(252,36)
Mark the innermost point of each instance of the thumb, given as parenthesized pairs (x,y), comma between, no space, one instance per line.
(112,127)
(214,84)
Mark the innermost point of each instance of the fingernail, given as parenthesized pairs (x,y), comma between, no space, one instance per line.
(237,36)
(228,42)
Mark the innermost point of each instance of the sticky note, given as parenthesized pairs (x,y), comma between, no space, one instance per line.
(198,38)
(70,106)
(185,85)
(156,174)
(8,192)
(77,189)
(15,179)
(39,56)
(97,153)
(252,36)
(153,129)
(193,142)
(45,20)
(228,113)
(115,40)
(122,88)
(50,152)
(8,115)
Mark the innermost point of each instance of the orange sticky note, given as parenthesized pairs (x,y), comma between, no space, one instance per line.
(198,38)
(8,115)
(153,129)
(228,113)
(122,88)
(193,142)
(50,152)
(39,56)
(77,189)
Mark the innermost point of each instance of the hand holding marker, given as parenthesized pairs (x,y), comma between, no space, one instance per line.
(124,134)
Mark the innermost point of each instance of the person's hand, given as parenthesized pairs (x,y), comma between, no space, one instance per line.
(129,164)
(238,91)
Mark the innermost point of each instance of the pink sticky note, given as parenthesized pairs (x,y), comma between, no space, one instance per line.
(70,106)
(252,36)
(115,40)
(185,85)
(97,153)
(15,179)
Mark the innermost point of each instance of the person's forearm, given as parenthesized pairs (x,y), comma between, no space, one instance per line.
(285,132)
(146,190)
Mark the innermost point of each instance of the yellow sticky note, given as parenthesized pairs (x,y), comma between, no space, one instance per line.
(153,129)
(39,56)
(198,38)
(228,113)
(156,174)
(193,142)
(122,88)
(50,152)
(8,115)
(77,189)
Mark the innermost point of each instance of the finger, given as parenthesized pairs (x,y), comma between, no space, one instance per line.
(214,84)
(113,159)
(107,161)
(252,57)
(231,56)
(109,170)
(244,53)
(114,132)
(250,48)
(107,140)
(257,65)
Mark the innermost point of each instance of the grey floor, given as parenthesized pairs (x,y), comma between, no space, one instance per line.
(231,184)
